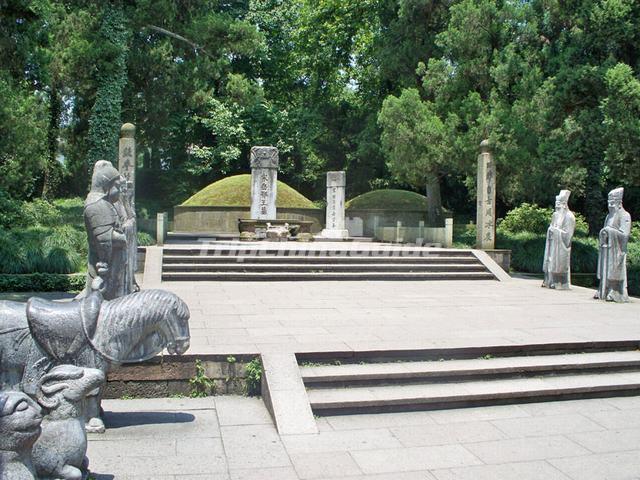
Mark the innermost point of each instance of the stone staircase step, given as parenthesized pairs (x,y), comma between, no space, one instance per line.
(293,276)
(333,401)
(318,251)
(337,259)
(321,267)
(452,370)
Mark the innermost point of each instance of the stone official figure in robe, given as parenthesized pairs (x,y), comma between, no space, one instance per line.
(557,252)
(612,256)
(108,222)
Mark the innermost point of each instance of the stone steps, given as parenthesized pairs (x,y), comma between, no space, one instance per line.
(333,401)
(259,262)
(424,385)
(256,249)
(320,267)
(334,276)
(452,370)
(333,259)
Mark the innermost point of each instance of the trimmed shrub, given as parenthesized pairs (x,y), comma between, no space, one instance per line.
(534,219)
(42,282)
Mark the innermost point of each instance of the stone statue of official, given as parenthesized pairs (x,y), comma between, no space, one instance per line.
(110,225)
(557,252)
(612,256)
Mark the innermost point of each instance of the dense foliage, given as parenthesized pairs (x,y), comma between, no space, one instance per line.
(397,92)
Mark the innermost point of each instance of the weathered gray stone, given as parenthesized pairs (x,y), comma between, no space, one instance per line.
(486,210)
(335,224)
(557,252)
(264,182)
(20,419)
(127,168)
(278,232)
(612,256)
(111,231)
(40,334)
(60,452)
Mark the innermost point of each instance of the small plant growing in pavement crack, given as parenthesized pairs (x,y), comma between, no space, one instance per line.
(201,385)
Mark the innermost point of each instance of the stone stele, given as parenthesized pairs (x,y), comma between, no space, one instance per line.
(612,254)
(264,182)
(336,225)
(127,168)
(486,208)
(557,253)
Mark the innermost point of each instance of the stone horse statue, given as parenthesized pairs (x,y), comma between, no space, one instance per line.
(89,332)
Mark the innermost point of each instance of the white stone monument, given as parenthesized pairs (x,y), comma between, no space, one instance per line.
(486,213)
(336,225)
(264,182)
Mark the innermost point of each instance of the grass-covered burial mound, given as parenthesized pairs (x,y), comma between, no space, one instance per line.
(390,199)
(236,192)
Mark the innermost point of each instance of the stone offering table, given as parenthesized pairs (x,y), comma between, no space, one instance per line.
(251,229)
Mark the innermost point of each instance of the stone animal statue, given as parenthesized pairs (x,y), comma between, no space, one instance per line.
(60,452)
(20,419)
(89,332)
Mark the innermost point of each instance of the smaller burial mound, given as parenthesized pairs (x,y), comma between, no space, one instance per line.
(400,200)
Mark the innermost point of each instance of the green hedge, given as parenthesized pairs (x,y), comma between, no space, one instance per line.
(527,252)
(42,282)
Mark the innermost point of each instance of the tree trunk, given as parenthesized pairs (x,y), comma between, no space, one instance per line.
(435,215)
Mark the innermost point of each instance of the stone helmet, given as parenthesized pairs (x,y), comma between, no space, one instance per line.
(104,174)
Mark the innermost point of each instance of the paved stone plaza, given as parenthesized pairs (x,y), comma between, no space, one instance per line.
(255,317)
(233,438)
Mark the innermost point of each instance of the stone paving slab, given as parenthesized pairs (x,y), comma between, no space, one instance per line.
(524,442)
(253,317)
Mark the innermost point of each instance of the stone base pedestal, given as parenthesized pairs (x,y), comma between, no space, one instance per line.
(335,234)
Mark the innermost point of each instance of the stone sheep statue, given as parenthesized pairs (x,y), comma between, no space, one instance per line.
(20,419)
(60,451)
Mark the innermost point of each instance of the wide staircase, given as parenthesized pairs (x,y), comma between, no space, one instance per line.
(508,375)
(182,263)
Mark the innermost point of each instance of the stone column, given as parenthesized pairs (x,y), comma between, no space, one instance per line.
(336,225)
(127,169)
(264,182)
(486,212)
(127,159)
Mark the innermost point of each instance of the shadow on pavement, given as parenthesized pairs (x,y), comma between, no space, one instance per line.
(131,419)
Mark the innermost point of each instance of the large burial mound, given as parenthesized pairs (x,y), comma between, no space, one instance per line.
(236,192)
(401,200)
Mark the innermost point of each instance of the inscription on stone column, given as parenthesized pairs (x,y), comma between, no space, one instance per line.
(486,189)
(335,223)
(264,178)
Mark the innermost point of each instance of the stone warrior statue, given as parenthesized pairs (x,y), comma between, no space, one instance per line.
(557,252)
(111,229)
(612,256)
